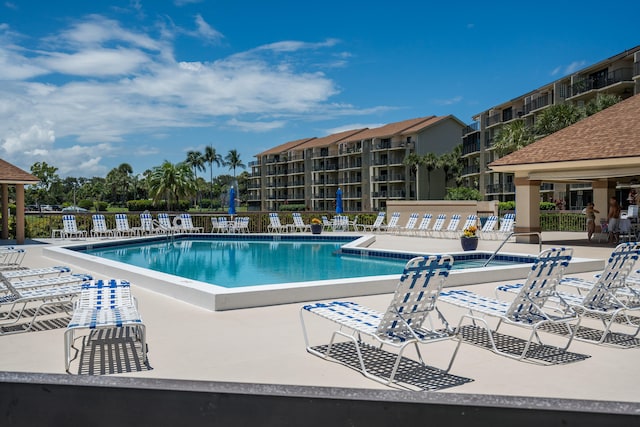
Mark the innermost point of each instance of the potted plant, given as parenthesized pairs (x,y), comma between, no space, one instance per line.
(469,238)
(316,226)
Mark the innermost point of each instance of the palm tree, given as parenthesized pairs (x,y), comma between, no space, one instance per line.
(413,161)
(171,181)
(430,161)
(119,180)
(513,136)
(557,117)
(195,160)
(211,157)
(233,161)
(602,101)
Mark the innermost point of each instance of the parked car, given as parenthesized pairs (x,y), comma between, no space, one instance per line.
(74,209)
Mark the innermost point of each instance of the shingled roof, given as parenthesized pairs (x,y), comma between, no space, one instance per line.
(286,146)
(613,133)
(10,174)
(390,129)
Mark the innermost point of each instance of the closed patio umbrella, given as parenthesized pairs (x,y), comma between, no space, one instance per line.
(339,201)
(232,201)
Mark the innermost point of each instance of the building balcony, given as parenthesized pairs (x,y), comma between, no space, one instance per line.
(254,163)
(492,120)
(614,77)
(537,103)
(636,69)
(470,170)
(329,167)
(500,188)
(471,128)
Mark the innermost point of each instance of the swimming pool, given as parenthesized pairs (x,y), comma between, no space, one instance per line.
(215,297)
(241,263)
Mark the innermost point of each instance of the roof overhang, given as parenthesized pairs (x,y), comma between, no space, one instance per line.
(575,171)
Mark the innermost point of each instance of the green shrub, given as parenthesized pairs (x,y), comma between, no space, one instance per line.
(507,206)
(547,206)
(462,193)
(293,207)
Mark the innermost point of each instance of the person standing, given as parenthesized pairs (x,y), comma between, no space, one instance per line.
(614,220)
(591,212)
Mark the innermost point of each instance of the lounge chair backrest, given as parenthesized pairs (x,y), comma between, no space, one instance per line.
(440,219)
(416,294)
(122,222)
(395,217)
(146,221)
(379,220)
(490,224)
(471,220)
(297,219)
(506,226)
(619,265)
(325,221)
(426,220)
(541,282)
(99,223)
(186,221)
(411,222)
(274,219)
(69,224)
(164,221)
(454,222)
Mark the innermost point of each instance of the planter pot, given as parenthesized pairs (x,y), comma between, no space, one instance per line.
(469,243)
(316,228)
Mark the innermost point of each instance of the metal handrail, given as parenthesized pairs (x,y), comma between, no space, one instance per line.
(524,233)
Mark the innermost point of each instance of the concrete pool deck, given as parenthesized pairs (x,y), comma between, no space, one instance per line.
(265,344)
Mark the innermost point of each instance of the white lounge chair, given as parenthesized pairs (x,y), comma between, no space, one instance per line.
(34,272)
(241,224)
(147,225)
(340,223)
(70,228)
(402,325)
(184,223)
(529,309)
(100,227)
(104,305)
(452,228)
(392,225)
(437,225)
(122,226)
(298,223)
(506,226)
(488,229)
(164,224)
(609,298)
(423,227)
(410,225)
(45,281)
(376,224)
(275,226)
(11,258)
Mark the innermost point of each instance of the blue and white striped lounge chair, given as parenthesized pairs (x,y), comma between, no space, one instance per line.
(104,305)
(410,226)
(19,285)
(70,228)
(164,224)
(376,224)
(488,229)
(122,226)
(471,221)
(241,224)
(506,226)
(452,228)
(437,225)
(11,258)
(58,295)
(400,326)
(423,227)
(33,272)
(275,226)
(528,309)
(184,223)
(147,225)
(298,223)
(392,225)
(340,223)
(609,297)
(100,227)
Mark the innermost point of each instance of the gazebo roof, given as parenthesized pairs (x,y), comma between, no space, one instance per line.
(10,174)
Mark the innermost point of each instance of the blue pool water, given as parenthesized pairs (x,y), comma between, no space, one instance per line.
(239,263)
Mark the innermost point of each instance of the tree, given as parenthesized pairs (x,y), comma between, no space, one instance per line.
(512,137)
(211,157)
(462,193)
(413,161)
(42,191)
(557,117)
(601,102)
(171,181)
(118,180)
(195,160)
(430,161)
(232,159)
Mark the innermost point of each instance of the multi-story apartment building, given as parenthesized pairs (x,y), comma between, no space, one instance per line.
(367,164)
(618,75)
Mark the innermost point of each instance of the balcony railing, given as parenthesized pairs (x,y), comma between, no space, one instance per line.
(468,170)
(500,188)
(636,69)
(470,128)
(617,76)
(492,120)
(536,103)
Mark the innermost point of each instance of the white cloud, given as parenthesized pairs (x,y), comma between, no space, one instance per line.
(564,70)
(449,101)
(206,31)
(100,83)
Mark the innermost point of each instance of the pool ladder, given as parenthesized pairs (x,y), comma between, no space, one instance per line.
(527,233)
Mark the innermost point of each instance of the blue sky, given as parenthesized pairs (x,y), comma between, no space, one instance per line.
(88,85)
